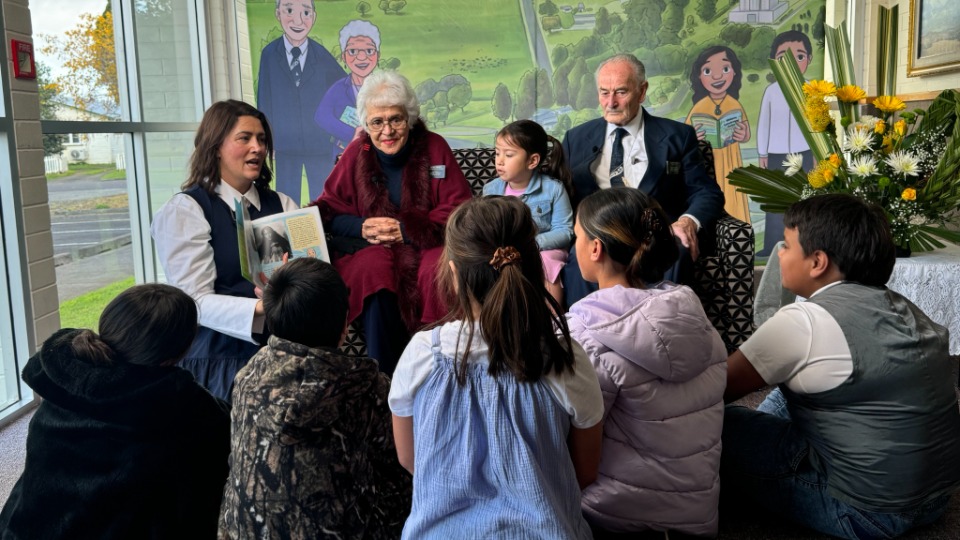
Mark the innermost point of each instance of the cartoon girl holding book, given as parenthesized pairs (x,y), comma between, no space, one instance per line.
(719,118)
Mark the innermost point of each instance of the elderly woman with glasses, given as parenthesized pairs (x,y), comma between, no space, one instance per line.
(386,204)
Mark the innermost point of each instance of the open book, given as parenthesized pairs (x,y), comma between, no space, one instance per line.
(264,242)
(719,131)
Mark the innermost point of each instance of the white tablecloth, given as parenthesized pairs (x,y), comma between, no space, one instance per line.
(931,280)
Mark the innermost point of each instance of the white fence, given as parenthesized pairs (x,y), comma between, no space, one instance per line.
(54,164)
(121,161)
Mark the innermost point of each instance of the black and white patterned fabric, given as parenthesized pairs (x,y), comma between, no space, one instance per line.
(724,281)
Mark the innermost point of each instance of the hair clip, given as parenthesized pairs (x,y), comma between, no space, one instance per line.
(504,256)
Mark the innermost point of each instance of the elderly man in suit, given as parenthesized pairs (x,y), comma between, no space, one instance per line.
(630,147)
(295,73)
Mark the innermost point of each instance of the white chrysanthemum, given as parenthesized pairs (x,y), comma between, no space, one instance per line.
(858,140)
(862,166)
(866,121)
(793,163)
(904,163)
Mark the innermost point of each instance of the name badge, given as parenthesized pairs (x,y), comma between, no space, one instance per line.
(438,171)
(673,167)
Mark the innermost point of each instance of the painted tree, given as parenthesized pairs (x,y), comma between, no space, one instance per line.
(603,25)
(587,97)
(544,89)
(526,104)
(737,34)
(548,8)
(363,8)
(706,9)
(459,96)
(502,103)
(673,20)
(819,33)
(89,58)
(49,90)
(561,82)
(578,74)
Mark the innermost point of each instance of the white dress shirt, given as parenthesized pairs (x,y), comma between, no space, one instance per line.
(634,155)
(635,159)
(182,237)
(303,52)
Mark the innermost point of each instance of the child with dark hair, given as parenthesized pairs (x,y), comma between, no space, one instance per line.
(531,165)
(496,410)
(661,368)
(124,444)
(715,77)
(861,436)
(311,446)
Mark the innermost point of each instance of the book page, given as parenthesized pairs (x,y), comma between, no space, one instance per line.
(727,124)
(298,233)
(249,260)
(709,126)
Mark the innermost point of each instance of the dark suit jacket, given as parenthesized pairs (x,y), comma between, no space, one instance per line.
(290,108)
(684,188)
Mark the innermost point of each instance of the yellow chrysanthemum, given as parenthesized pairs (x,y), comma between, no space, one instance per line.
(821,175)
(889,104)
(834,160)
(900,127)
(850,93)
(819,88)
(880,127)
(818,113)
(909,194)
(887,145)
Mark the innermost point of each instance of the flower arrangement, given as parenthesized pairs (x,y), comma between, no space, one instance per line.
(907,162)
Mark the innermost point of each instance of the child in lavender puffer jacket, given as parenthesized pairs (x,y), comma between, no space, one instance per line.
(661,367)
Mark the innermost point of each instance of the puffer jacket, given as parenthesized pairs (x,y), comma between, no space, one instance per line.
(662,369)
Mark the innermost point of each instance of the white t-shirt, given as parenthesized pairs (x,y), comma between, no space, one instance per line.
(578,393)
(803,346)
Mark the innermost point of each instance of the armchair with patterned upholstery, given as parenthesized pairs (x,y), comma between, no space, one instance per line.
(724,280)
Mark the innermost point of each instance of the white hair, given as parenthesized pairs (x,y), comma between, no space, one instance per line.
(386,88)
(312,5)
(639,72)
(357,28)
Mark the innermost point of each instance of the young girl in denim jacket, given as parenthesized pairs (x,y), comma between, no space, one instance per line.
(496,411)
(531,165)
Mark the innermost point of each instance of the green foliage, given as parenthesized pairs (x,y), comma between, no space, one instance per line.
(49,94)
(544,89)
(757,52)
(587,97)
(459,96)
(550,23)
(737,34)
(502,103)
(547,7)
(363,8)
(603,24)
(672,58)
(525,104)
(706,9)
(559,55)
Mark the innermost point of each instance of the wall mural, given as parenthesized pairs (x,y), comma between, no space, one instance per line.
(479,65)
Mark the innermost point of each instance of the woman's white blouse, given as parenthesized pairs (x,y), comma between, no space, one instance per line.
(182,237)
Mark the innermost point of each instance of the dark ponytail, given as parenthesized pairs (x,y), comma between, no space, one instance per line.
(634,230)
(151,324)
(492,243)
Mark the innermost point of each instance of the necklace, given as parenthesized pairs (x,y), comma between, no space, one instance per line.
(716,109)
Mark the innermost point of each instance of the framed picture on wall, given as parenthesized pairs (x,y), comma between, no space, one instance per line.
(934,37)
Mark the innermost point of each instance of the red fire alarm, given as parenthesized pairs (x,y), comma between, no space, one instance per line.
(23,64)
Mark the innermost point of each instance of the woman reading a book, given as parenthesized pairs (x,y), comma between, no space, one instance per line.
(386,204)
(196,237)
(719,118)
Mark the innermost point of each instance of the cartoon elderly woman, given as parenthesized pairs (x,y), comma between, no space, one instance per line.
(717,115)
(337,112)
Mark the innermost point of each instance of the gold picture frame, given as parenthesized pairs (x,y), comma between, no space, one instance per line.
(933,50)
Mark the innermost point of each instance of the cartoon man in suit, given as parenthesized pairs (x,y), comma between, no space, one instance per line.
(630,147)
(295,73)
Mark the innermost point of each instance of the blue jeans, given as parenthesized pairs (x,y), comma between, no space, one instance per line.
(766,464)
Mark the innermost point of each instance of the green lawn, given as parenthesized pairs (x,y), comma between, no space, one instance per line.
(84,311)
(90,169)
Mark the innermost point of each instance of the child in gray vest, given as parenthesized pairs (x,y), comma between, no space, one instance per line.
(312,452)
(860,437)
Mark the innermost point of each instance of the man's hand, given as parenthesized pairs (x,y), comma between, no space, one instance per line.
(686,230)
(763,161)
(382,230)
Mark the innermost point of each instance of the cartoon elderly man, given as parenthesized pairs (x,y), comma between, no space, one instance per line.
(295,73)
(337,113)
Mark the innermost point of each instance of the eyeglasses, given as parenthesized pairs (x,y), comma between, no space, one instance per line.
(367,52)
(396,122)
